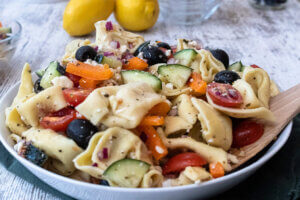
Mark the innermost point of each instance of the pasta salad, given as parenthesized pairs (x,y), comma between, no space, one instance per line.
(126,112)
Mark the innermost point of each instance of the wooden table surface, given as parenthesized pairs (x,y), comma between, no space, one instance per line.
(270,39)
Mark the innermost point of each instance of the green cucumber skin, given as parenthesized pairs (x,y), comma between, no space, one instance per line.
(142,76)
(40,72)
(168,73)
(116,172)
(237,66)
(186,56)
(50,73)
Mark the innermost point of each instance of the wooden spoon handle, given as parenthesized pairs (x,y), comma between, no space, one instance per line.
(286,105)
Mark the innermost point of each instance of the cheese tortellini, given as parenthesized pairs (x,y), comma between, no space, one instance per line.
(216,127)
(122,106)
(62,149)
(120,143)
(206,64)
(186,115)
(46,102)
(191,175)
(260,83)
(127,40)
(13,119)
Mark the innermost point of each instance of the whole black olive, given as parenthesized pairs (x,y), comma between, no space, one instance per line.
(226,77)
(154,55)
(85,52)
(61,69)
(35,155)
(221,55)
(81,131)
(163,45)
(104,182)
(37,87)
(140,48)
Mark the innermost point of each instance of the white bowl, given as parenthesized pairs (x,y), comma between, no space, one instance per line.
(86,191)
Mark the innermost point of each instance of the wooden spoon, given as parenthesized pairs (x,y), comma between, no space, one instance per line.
(285,107)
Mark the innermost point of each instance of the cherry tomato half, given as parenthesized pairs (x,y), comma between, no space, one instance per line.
(255,66)
(75,96)
(224,95)
(75,79)
(179,162)
(246,132)
(59,121)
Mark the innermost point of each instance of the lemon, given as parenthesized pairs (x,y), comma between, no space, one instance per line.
(136,15)
(80,15)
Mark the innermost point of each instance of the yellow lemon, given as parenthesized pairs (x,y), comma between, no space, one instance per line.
(137,15)
(80,15)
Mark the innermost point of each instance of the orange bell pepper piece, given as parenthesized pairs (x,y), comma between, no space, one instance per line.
(88,83)
(197,84)
(152,121)
(135,63)
(154,142)
(160,109)
(90,71)
(216,170)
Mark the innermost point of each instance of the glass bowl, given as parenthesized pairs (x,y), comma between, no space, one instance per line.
(188,12)
(9,43)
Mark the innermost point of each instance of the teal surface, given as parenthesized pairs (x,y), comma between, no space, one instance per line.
(279,179)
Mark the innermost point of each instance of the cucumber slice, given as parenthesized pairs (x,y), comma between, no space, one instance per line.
(175,74)
(50,73)
(186,56)
(141,76)
(40,72)
(237,66)
(126,172)
(112,62)
(5,30)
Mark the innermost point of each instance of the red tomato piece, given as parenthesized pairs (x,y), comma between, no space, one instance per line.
(246,132)
(255,66)
(224,95)
(59,121)
(76,96)
(165,50)
(179,162)
(75,79)
(174,48)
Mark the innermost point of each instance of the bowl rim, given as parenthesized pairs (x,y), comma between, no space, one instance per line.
(14,35)
(253,166)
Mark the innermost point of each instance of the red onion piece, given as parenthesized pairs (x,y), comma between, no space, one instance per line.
(96,48)
(109,26)
(108,54)
(103,154)
(115,44)
(130,45)
(171,61)
(95,165)
(126,56)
